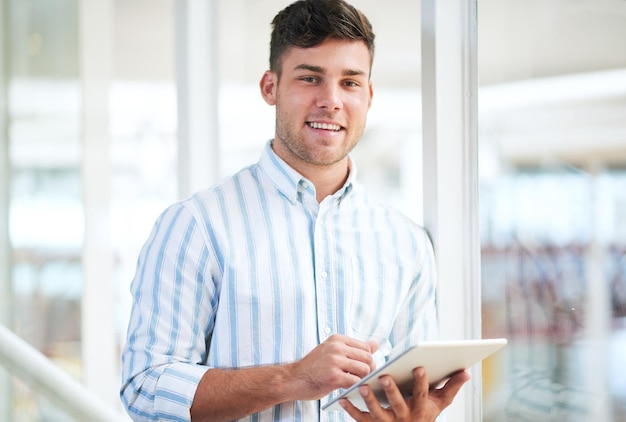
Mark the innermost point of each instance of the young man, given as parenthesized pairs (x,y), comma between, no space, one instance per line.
(261,296)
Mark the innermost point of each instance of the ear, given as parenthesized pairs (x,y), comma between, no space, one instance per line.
(371,88)
(268,85)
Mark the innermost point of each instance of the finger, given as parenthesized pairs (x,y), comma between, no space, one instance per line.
(376,411)
(420,386)
(352,410)
(352,342)
(447,393)
(362,357)
(396,401)
(356,368)
(355,351)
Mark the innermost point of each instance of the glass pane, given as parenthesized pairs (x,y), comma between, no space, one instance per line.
(552,133)
(45,149)
(143,127)
(45,203)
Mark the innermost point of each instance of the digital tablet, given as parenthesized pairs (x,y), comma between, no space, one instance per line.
(441,359)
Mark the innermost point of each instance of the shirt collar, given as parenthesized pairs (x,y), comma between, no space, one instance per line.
(287,180)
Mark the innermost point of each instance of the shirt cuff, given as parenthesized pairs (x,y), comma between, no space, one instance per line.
(176,389)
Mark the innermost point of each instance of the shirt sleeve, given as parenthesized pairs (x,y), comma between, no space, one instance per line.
(171,320)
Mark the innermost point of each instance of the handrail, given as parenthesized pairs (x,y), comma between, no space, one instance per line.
(24,361)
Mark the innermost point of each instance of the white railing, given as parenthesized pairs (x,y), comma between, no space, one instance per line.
(43,376)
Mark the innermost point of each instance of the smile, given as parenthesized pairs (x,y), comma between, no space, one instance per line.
(324,126)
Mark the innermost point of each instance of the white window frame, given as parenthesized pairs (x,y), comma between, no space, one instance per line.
(197,32)
(450,172)
(99,339)
(6,290)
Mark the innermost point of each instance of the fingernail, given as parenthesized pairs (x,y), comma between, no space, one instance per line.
(384,382)
(363,391)
(419,372)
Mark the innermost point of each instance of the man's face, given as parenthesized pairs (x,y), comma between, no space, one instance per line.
(322,100)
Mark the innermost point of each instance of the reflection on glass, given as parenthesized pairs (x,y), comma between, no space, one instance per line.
(552,164)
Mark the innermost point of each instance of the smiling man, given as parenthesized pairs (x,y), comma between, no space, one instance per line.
(260,297)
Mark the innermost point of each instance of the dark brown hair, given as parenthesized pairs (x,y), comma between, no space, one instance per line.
(308,23)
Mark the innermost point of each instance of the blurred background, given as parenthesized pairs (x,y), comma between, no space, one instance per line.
(91,153)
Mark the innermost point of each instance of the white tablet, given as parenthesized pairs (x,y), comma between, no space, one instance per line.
(440,358)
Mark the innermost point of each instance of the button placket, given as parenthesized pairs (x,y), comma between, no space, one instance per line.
(325,294)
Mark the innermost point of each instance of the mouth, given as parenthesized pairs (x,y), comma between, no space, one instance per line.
(324,126)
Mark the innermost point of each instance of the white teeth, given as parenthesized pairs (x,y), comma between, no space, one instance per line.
(324,126)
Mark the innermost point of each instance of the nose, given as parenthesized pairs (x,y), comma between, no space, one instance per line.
(329,97)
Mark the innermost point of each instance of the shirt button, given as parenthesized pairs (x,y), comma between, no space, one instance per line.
(304,185)
(324,274)
(327,330)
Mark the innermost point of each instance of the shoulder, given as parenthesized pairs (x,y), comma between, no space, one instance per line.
(220,194)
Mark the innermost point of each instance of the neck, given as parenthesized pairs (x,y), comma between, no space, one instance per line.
(327,179)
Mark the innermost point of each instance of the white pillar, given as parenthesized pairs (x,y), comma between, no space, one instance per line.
(449,110)
(198,91)
(99,341)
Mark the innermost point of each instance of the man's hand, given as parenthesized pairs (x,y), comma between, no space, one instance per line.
(339,362)
(424,405)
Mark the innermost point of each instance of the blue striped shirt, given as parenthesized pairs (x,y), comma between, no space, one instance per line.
(254,271)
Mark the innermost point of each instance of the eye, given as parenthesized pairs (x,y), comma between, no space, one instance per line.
(309,79)
(351,84)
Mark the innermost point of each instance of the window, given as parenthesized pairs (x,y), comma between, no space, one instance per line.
(552,102)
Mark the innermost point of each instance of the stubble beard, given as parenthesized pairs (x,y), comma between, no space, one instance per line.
(297,146)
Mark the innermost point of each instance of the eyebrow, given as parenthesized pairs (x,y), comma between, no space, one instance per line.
(322,70)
